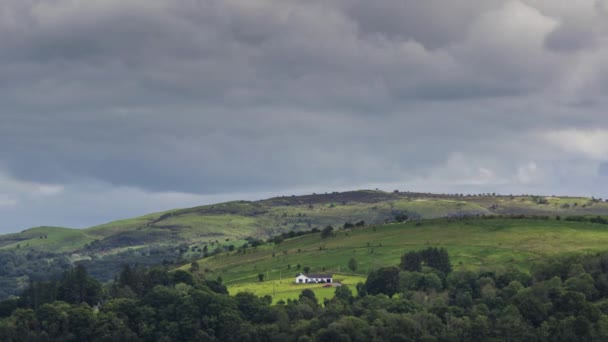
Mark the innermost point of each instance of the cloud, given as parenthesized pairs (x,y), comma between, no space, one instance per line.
(591,144)
(13,189)
(143,100)
(79,205)
(528,173)
(7,201)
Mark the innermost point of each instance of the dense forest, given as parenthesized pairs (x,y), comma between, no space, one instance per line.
(421,299)
(21,266)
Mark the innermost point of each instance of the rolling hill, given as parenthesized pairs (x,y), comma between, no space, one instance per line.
(473,243)
(176,237)
(265,218)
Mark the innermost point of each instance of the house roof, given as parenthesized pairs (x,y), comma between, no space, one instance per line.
(318,275)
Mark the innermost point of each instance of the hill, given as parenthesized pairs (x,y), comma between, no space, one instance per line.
(265,218)
(178,236)
(502,244)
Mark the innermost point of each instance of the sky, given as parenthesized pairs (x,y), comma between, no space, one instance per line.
(117,108)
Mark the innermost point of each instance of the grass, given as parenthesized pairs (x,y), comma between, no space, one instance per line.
(286,288)
(472,244)
(197,226)
(435,208)
(114,227)
(56,239)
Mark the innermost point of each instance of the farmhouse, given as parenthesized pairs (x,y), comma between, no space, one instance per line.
(314,278)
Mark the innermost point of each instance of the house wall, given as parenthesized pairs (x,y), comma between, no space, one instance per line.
(319,280)
(304,280)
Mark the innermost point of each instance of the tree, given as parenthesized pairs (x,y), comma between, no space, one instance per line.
(439,260)
(384,280)
(252,306)
(411,261)
(308,294)
(327,232)
(401,218)
(216,286)
(76,287)
(181,276)
(306,269)
(348,225)
(361,289)
(533,310)
(430,281)
(352,264)
(344,293)
(432,257)
(583,283)
(261,276)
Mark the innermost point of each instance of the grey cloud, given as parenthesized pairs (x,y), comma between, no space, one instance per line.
(224,51)
(435,24)
(569,38)
(216,97)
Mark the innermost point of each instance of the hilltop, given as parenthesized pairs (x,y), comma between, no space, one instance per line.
(265,218)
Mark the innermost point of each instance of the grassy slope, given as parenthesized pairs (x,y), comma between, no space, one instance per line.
(285,288)
(472,243)
(55,239)
(239,219)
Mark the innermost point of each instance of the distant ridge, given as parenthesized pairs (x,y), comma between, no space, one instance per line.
(268,217)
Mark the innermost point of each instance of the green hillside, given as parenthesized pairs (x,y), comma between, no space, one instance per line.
(265,218)
(177,236)
(472,244)
(56,239)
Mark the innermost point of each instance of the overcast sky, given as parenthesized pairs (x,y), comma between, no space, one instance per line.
(117,108)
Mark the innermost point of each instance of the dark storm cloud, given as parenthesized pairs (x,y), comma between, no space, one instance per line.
(160,102)
(263,52)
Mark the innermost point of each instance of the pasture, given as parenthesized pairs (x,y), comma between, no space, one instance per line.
(286,288)
(472,244)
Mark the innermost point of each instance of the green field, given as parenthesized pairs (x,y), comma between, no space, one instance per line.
(472,243)
(286,288)
(56,239)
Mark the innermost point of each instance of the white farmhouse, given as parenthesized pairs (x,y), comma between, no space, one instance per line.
(314,278)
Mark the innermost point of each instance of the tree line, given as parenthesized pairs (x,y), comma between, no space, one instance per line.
(562,299)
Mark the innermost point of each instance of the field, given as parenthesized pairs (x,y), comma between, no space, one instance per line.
(285,288)
(471,243)
(56,239)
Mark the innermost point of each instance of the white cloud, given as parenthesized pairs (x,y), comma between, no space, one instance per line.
(589,143)
(15,188)
(528,173)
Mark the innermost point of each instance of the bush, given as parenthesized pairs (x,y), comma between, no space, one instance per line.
(327,232)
